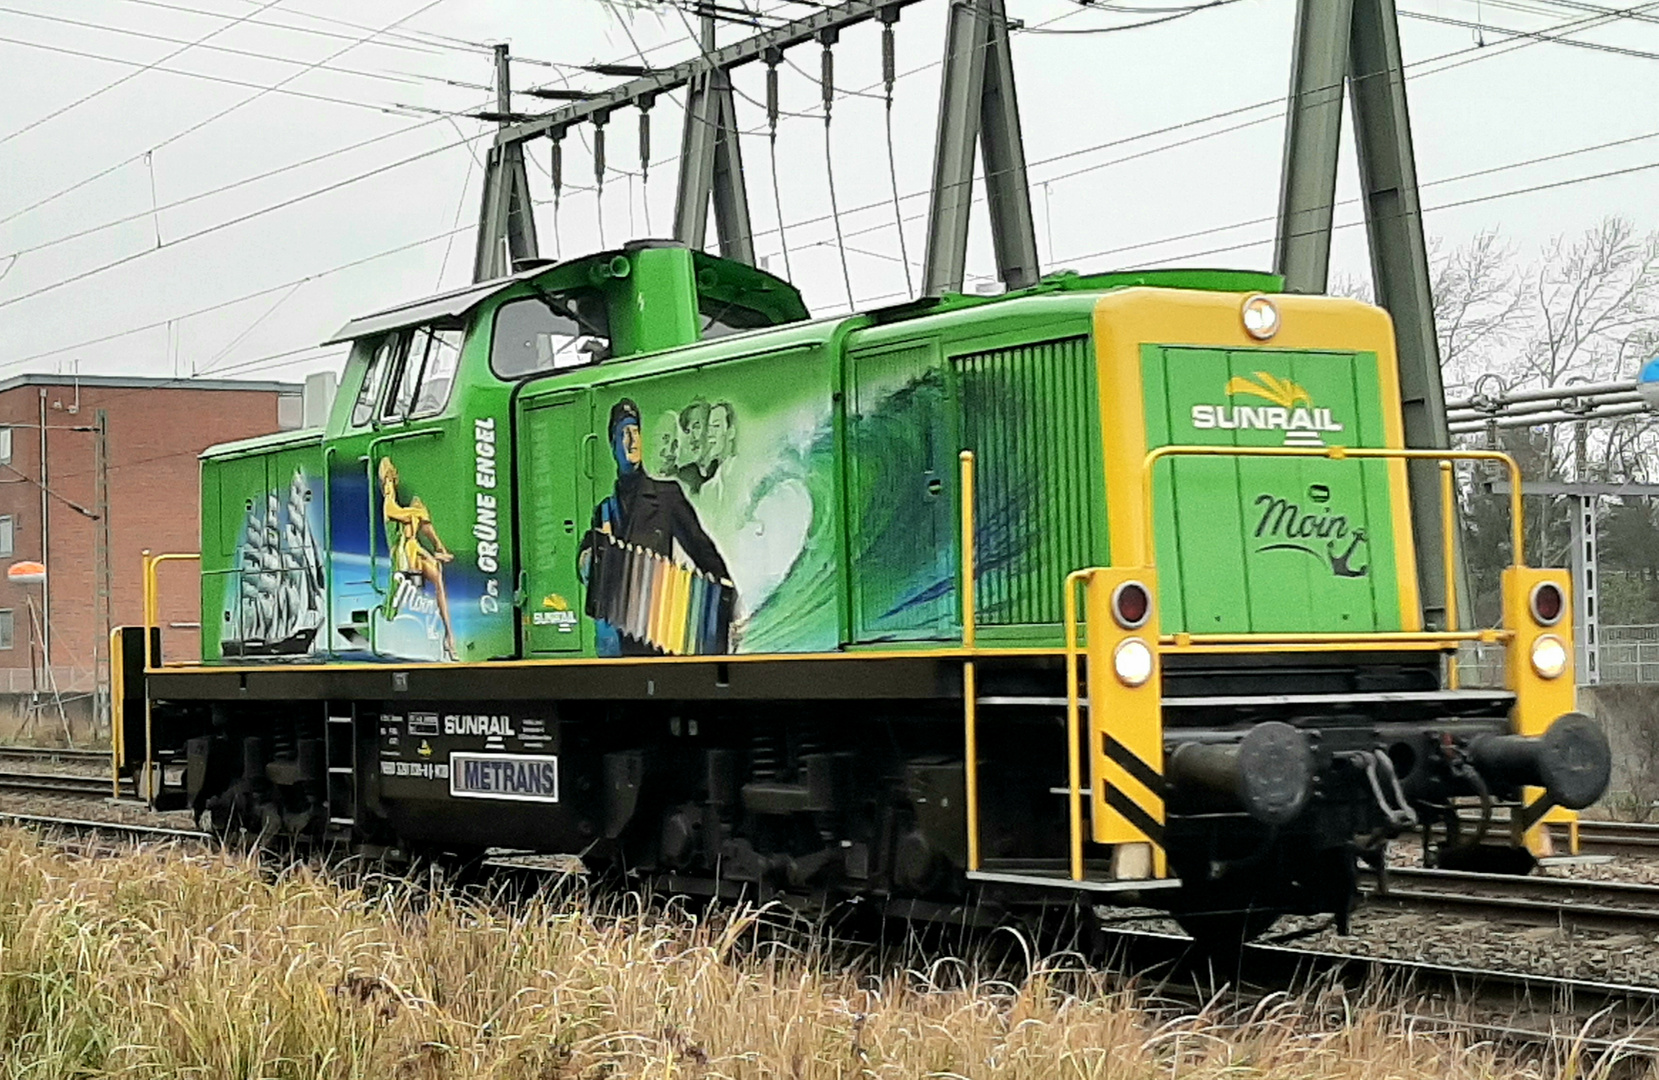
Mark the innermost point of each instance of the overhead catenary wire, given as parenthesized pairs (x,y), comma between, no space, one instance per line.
(1428,66)
(931,65)
(261,91)
(1170,16)
(394,39)
(772,154)
(827,79)
(142,68)
(208,230)
(888,61)
(401,77)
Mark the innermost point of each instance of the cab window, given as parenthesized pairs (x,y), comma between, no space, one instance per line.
(424,373)
(362,411)
(536,334)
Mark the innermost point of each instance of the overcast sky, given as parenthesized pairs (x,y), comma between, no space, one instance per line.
(89,137)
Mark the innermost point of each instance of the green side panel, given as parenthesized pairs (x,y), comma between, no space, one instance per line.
(901,472)
(246,542)
(1028,415)
(730,484)
(553,511)
(263,572)
(1263,545)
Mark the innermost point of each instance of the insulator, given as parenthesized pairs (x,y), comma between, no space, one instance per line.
(599,154)
(826,79)
(644,143)
(772,96)
(888,62)
(556,164)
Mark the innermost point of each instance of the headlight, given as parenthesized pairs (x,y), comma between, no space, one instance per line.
(1549,656)
(1261,318)
(1133,662)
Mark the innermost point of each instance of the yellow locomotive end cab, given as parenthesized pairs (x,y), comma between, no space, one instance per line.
(1561,755)
(1125,730)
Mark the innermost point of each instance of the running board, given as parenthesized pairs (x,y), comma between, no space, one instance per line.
(1061,881)
(1462,699)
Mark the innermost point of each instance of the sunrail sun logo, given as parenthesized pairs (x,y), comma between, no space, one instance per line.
(1291,411)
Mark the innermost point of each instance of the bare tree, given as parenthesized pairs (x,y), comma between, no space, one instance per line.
(1594,304)
(1477,300)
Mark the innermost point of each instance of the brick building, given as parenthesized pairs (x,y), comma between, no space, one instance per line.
(155,430)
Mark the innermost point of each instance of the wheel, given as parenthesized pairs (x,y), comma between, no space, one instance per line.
(1225,933)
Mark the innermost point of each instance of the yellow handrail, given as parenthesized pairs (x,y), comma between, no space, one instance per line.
(117,710)
(969,616)
(1335,453)
(1450,636)
(152,598)
(1448,555)
(152,612)
(1074,764)
(970,710)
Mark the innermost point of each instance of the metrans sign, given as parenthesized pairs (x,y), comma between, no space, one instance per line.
(513,777)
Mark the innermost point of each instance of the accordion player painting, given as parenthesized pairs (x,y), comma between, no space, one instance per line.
(656,601)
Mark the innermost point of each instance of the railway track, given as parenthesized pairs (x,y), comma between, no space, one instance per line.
(1512,1008)
(1608,906)
(1633,838)
(54,755)
(81,785)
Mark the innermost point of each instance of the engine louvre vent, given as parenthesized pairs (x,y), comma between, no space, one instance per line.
(1029,413)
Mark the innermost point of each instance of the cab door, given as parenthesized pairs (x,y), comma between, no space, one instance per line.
(435,596)
(554,510)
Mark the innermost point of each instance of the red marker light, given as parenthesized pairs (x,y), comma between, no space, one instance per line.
(1547,603)
(1131,604)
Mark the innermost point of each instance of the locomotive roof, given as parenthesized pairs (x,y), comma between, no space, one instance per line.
(737,288)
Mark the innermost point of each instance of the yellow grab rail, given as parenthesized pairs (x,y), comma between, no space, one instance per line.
(1450,636)
(1074,764)
(1448,555)
(970,711)
(152,598)
(117,709)
(152,612)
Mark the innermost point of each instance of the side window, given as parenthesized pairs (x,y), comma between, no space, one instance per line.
(443,356)
(406,376)
(362,411)
(421,380)
(531,336)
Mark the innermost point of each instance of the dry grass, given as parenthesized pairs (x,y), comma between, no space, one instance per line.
(156,963)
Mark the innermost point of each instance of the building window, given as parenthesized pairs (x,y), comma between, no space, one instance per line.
(5,628)
(6,531)
(5,446)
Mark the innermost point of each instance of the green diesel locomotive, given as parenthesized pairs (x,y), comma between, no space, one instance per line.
(1102,588)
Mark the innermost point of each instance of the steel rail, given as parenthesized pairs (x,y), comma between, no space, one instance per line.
(1638,838)
(1610,906)
(54,753)
(54,783)
(153,832)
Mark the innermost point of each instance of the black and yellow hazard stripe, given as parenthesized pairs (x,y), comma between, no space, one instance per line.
(1129,801)
(1132,793)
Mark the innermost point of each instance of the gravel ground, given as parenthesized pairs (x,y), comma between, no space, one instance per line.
(1616,958)
(125,812)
